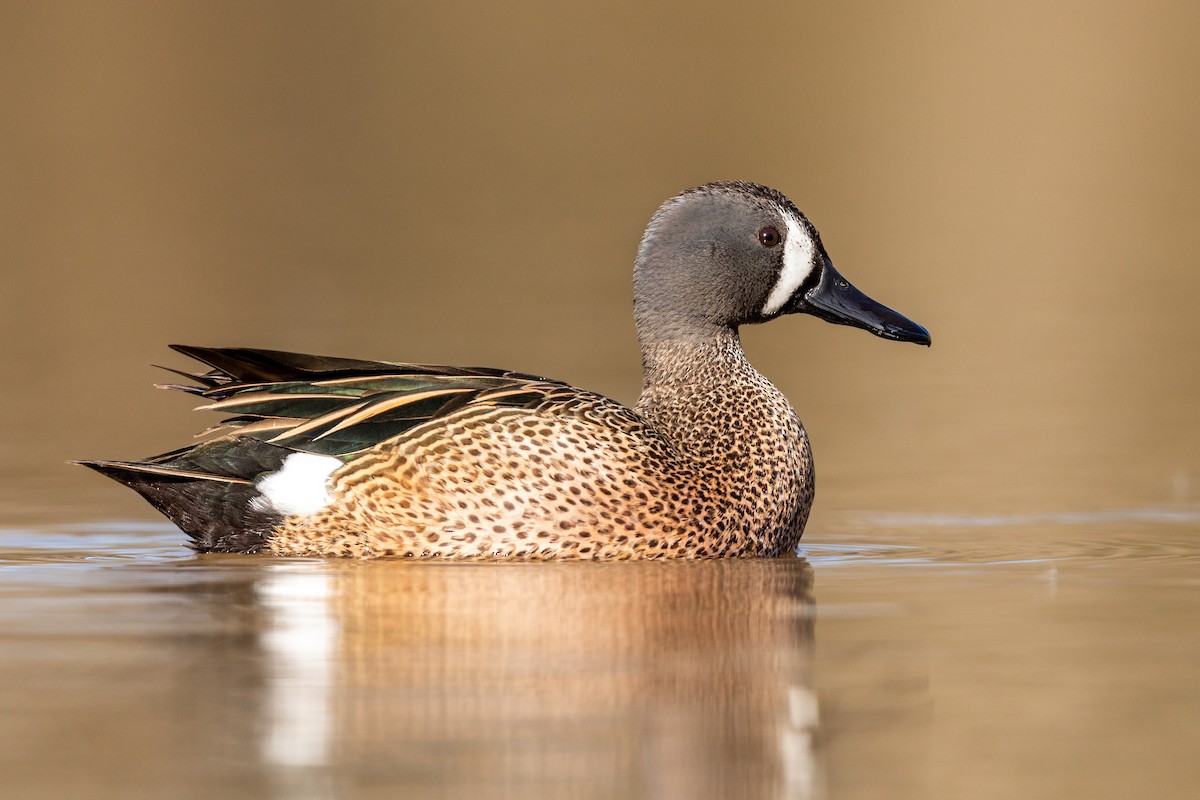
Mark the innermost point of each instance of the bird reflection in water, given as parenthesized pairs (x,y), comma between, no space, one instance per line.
(683,679)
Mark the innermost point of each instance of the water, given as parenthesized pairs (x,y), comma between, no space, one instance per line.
(998,592)
(868,667)
(267,677)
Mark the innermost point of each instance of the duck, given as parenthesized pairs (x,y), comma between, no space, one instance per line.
(340,457)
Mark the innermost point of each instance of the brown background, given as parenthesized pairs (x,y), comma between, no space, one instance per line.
(467,182)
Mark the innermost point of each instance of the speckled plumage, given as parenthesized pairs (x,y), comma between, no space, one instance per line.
(728,472)
(441,462)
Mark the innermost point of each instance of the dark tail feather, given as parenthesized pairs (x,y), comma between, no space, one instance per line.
(216,511)
(249,365)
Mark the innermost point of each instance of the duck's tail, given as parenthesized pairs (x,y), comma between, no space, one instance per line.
(209,497)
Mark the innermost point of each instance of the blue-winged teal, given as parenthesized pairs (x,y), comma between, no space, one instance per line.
(340,457)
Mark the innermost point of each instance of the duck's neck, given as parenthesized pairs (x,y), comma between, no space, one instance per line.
(702,393)
(682,364)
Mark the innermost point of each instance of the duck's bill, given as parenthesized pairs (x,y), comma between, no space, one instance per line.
(834,299)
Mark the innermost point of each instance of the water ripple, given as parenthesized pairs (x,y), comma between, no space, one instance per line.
(1172,515)
(1168,534)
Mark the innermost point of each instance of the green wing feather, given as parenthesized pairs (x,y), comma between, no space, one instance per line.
(339,406)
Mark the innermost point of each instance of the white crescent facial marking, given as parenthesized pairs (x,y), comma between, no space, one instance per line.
(301,486)
(797,264)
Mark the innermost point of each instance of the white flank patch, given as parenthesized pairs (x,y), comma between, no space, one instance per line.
(797,264)
(300,487)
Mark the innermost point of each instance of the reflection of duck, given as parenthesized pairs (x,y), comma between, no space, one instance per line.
(354,458)
(605,680)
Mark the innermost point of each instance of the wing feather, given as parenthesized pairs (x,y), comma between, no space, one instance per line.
(340,406)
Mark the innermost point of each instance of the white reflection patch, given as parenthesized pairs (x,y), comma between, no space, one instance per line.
(796,747)
(300,642)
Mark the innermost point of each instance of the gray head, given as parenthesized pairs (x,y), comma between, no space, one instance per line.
(731,253)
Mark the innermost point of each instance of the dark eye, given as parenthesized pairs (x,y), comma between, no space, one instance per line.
(769,237)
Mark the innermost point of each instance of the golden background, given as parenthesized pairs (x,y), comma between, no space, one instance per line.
(467,183)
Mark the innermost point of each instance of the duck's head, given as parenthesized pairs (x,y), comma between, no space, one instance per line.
(731,253)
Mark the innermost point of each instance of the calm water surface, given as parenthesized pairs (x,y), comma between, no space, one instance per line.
(1023,656)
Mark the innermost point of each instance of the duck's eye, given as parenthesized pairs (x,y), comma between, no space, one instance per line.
(769,237)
